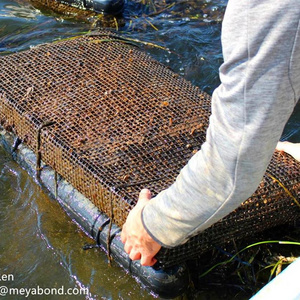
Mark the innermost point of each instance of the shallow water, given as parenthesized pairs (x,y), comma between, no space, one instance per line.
(39,244)
(42,247)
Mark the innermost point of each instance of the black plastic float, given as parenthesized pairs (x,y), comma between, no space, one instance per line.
(112,7)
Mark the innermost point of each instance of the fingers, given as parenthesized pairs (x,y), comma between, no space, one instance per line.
(134,255)
(127,248)
(148,261)
(144,197)
(145,193)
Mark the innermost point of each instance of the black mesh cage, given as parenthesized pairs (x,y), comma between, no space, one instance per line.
(111,120)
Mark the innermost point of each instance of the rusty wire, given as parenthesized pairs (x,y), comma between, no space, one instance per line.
(119,120)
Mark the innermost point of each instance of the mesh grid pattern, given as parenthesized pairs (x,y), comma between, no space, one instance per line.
(119,121)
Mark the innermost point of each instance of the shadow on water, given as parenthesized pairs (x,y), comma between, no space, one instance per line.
(39,244)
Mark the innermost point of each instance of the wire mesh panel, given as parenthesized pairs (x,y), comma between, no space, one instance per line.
(111,120)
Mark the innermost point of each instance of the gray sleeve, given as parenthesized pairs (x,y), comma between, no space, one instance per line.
(260,85)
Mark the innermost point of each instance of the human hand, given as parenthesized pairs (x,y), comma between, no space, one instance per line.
(290,148)
(138,244)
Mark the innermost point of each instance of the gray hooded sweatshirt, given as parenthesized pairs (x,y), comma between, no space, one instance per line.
(260,85)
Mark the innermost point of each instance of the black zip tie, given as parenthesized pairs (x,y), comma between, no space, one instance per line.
(108,240)
(97,238)
(93,246)
(100,229)
(55,183)
(17,143)
(93,226)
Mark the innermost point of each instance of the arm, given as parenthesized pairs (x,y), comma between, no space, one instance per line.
(260,86)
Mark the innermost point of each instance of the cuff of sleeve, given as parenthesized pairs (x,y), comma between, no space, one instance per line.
(167,234)
(147,225)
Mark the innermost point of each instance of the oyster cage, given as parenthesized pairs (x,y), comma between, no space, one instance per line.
(111,120)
